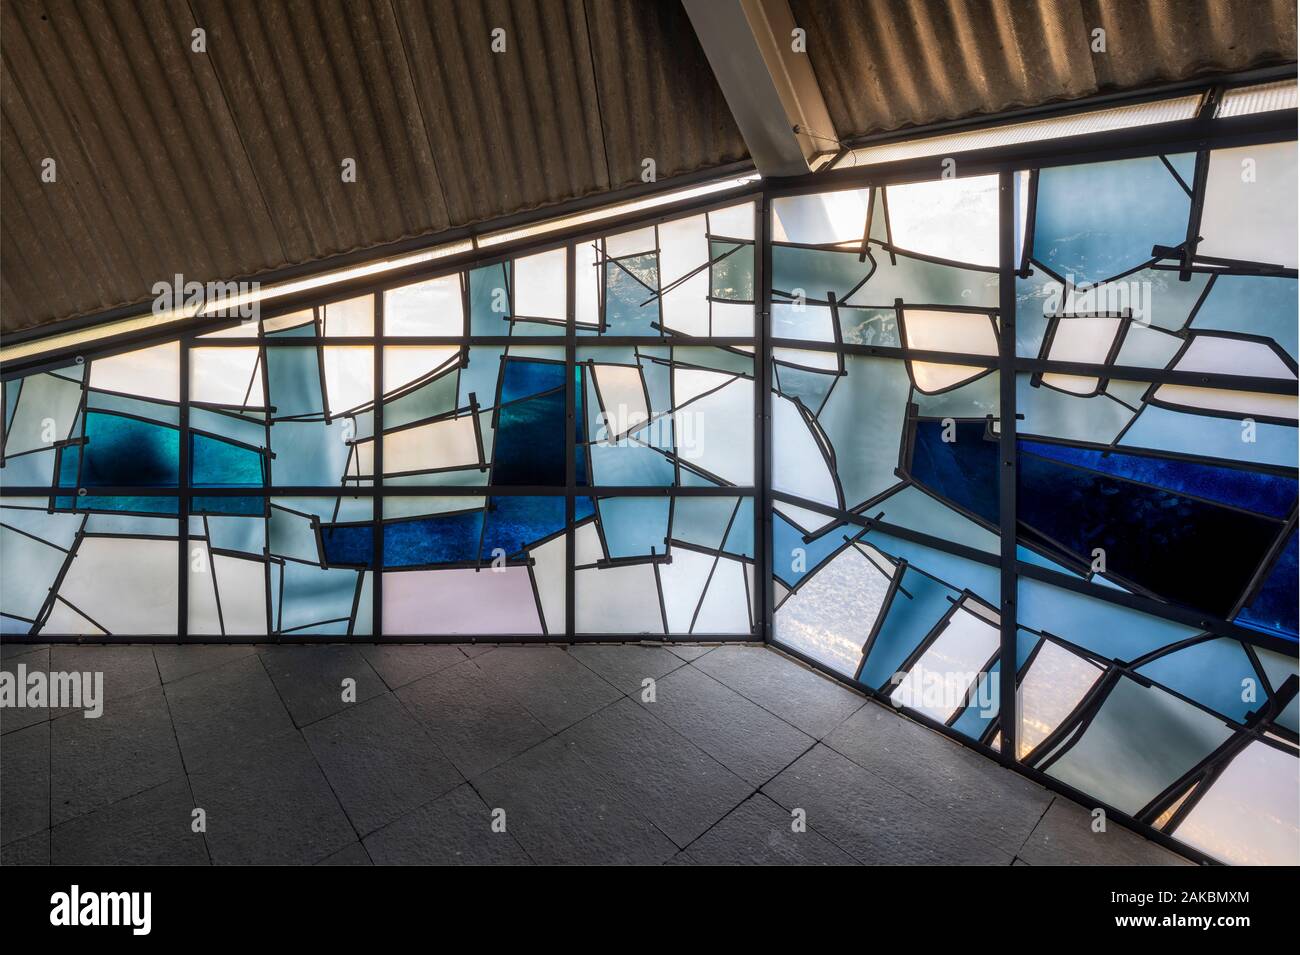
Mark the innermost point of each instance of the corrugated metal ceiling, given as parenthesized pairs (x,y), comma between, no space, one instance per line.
(228,163)
(889,64)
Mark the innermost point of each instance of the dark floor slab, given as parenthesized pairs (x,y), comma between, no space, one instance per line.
(354,854)
(30,850)
(873,821)
(380,761)
(742,736)
(175,662)
(25,783)
(400,664)
(564,811)
(271,806)
(679,787)
(22,669)
(474,724)
(759,832)
(310,678)
(455,829)
(549,683)
(473,650)
(628,665)
(126,669)
(1002,806)
(1065,836)
(220,712)
(814,703)
(10,648)
(154,827)
(96,762)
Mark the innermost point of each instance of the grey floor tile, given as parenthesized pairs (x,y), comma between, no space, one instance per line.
(310,678)
(29,850)
(473,722)
(626,665)
(473,650)
(354,854)
(12,647)
(25,783)
(154,827)
(690,651)
(453,830)
(271,805)
(679,787)
(380,762)
(399,664)
(96,762)
(219,712)
(1003,806)
(175,662)
(22,669)
(562,810)
(1065,836)
(759,832)
(814,703)
(873,821)
(549,683)
(742,736)
(126,670)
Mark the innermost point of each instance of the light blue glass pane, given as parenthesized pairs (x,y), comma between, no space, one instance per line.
(293,377)
(487,287)
(1113,631)
(634,526)
(1165,430)
(1096,220)
(1211,673)
(1253,304)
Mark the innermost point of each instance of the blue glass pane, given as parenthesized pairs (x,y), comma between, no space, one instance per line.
(1274,608)
(217,463)
(123,452)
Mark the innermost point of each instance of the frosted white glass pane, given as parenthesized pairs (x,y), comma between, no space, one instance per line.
(684,248)
(448,443)
(550,575)
(149,372)
(683,582)
(723,609)
(353,316)
(435,307)
(349,377)
(1233,356)
(931,377)
(539,282)
(831,615)
(716,432)
(937,684)
(964,332)
(1249,817)
(1246,403)
(227,376)
(1250,205)
(460,601)
(1083,339)
(955,219)
(733,222)
(636,242)
(690,383)
(127,585)
(42,398)
(798,466)
(586,292)
(821,219)
(617,600)
(1057,680)
(622,397)
(404,365)
(733,319)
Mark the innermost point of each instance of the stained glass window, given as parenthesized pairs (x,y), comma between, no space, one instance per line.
(560,442)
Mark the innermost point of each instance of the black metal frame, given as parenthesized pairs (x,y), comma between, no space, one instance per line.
(1195,135)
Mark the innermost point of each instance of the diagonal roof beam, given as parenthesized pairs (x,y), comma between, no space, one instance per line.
(767,80)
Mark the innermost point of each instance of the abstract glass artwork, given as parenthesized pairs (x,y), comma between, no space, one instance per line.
(481,453)
(1012,452)
(1151,602)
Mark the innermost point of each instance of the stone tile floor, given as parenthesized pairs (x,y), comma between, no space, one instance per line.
(441,740)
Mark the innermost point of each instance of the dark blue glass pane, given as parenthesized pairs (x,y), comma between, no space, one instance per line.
(514,523)
(1266,493)
(348,545)
(442,539)
(123,452)
(1199,554)
(217,463)
(963,471)
(581,457)
(523,379)
(132,505)
(1274,608)
(530,442)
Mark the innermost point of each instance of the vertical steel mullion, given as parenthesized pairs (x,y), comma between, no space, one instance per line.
(570,437)
(763,582)
(183,497)
(377,478)
(1007,454)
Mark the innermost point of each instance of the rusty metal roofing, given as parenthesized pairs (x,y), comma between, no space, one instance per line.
(229,162)
(889,64)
